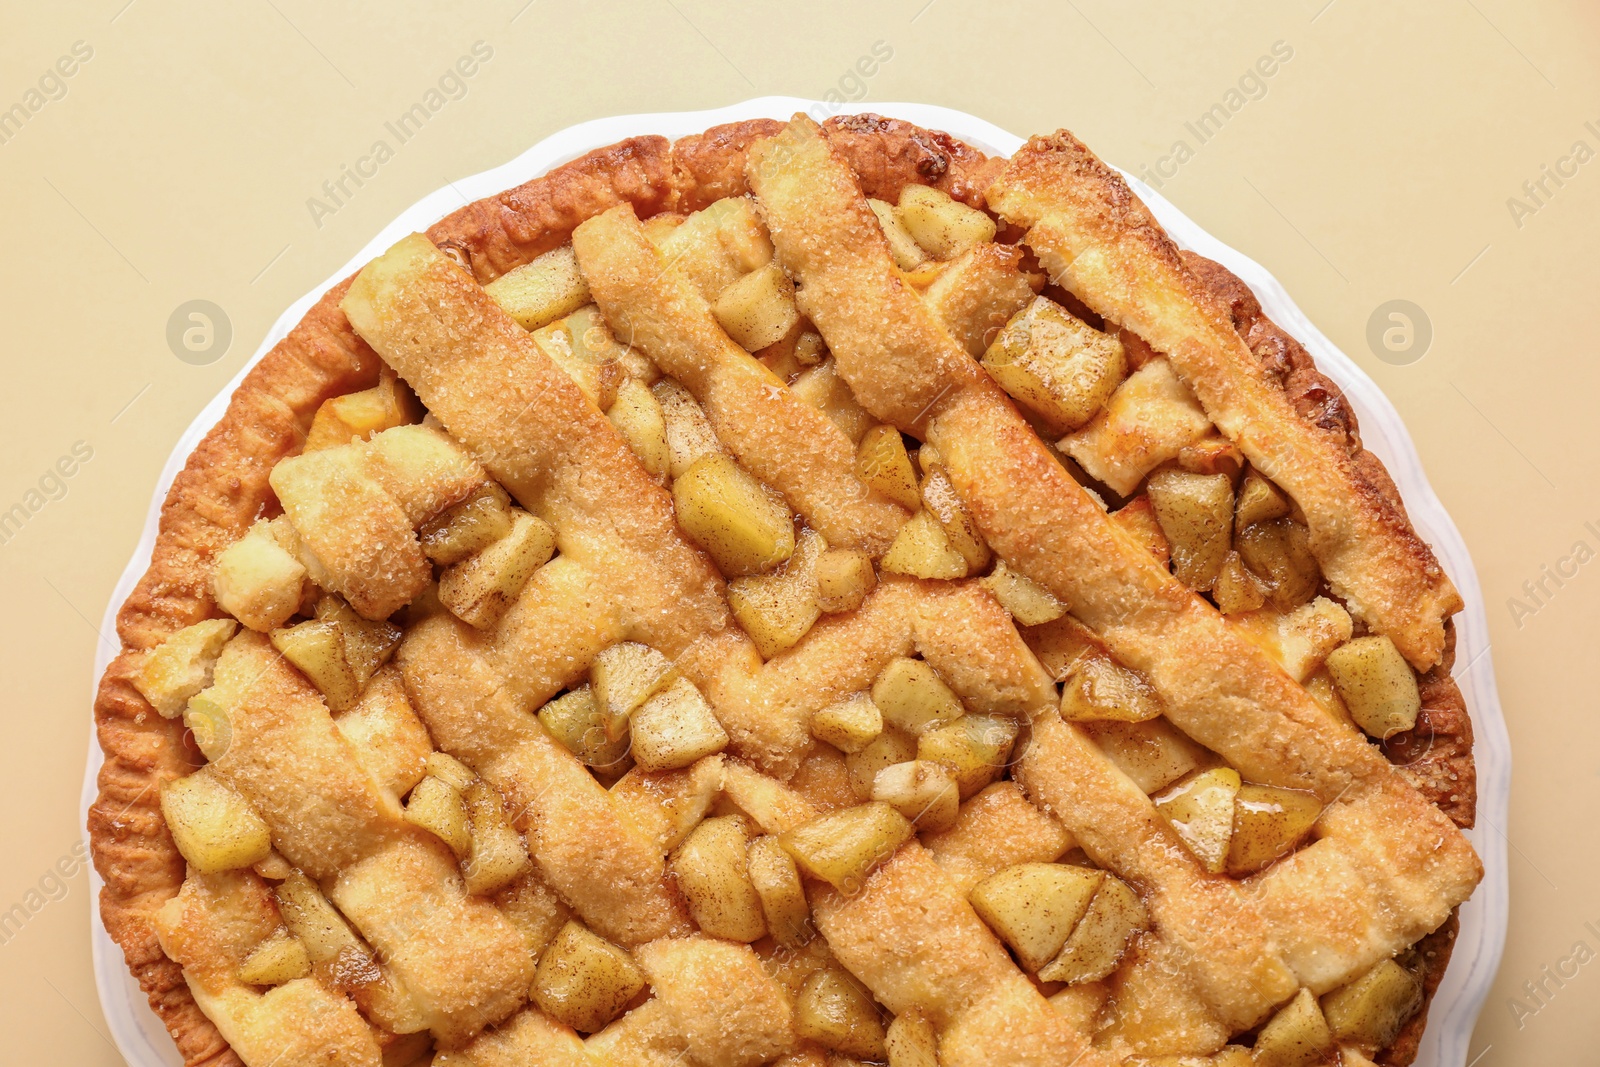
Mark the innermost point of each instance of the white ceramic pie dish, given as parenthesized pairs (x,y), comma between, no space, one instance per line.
(143,1040)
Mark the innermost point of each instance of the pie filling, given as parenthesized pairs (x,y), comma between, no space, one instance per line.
(812,630)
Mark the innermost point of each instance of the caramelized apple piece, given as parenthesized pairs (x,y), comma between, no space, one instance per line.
(902,246)
(317,649)
(437,807)
(1154,753)
(1200,810)
(888,748)
(469,527)
(1213,455)
(776,610)
(1259,501)
(342,419)
(1319,685)
(1377,685)
(717,245)
(674,728)
(849,725)
(280,958)
(883,464)
(1034,907)
(1300,639)
(1101,690)
(1236,590)
(825,390)
(1138,518)
(1099,939)
(368,643)
(776,880)
(181,666)
(624,676)
(450,771)
(1268,822)
(1279,553)
(713,874)
(837,1012)
(978,292)
(498,854)
(741,232)
(911,1041)
(214,828)
(960,528)
(844,847)
(1061,644)
(328,939)
(922,550)
(583,980)
(1371,1010)
(576,721)
(943,227)
(689,433)
(1148,420)
(844,577)
(1196,515)
(922,791)
(638,417)
(1029,603)
(975,749)
(1058,367)
(758,309)
(913,697)
(479,590)
(206,716)
(1297,1036)
(744,527)
(582,346)
(543,291)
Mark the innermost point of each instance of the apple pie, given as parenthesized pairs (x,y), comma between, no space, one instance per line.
(809,595)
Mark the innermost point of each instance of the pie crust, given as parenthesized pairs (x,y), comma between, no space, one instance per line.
(224,488)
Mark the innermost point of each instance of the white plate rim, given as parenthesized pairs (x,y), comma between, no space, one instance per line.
(139,1033)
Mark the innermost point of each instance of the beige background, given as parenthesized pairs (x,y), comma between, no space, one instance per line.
(1377,165)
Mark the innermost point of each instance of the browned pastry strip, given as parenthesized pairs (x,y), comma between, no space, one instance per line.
(785,442)
(1100,242)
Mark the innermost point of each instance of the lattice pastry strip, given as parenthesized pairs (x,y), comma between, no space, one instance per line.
(783,441)
(529,425)
(210,928)
(460,962)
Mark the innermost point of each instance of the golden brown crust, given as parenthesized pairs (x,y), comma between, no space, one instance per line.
(888,154)
(223,488)
(1435,755)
